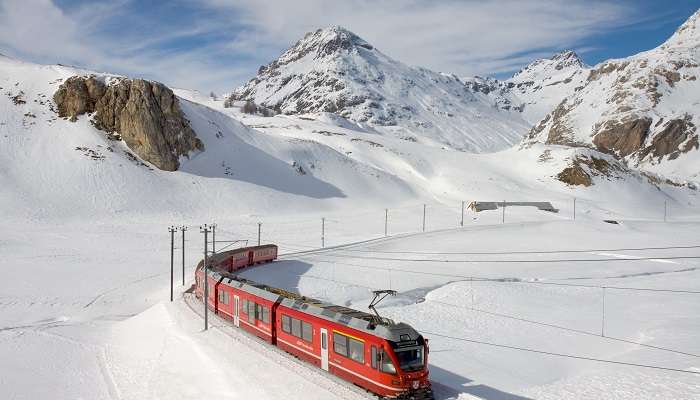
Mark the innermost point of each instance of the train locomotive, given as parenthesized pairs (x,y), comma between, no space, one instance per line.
(387,358)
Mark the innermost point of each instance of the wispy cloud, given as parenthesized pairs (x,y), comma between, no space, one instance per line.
(217,44)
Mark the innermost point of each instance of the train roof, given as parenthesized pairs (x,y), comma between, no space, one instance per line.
(360,320)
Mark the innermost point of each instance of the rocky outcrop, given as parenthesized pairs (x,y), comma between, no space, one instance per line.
(676,136)
(583,168)
(622,138)
(145,114)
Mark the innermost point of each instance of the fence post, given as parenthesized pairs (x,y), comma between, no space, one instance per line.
(386,222)
(423,217)
(503,218)
(602,326)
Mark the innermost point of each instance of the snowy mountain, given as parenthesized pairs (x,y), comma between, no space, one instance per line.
(544,83)
(84,304)
(643,109)
(535,90)
(334,70)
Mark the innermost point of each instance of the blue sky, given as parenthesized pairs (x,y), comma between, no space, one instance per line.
(219,44)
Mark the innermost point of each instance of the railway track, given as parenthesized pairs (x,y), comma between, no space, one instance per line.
(323,380)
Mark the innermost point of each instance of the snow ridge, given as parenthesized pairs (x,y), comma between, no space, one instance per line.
(334,70)
(642,108)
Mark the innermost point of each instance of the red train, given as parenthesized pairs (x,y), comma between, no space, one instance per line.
(386,358)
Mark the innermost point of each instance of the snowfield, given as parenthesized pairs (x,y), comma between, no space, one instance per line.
(84,310)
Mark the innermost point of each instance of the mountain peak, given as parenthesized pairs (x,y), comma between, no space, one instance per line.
(687,35)
(564,60)
(567,58)
(330,41)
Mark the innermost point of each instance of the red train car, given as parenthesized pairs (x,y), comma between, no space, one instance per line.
(384,357)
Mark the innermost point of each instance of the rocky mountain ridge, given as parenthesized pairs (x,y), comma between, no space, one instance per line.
(642,109)
(334,70)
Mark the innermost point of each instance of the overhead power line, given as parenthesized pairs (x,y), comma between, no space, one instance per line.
(509,280)
(550,353)
(502,315)
(515,252)
(506,261)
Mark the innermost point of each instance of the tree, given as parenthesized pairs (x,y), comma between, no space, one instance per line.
(212,95)
(249,107)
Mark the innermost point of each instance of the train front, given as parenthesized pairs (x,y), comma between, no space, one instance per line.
(407,358)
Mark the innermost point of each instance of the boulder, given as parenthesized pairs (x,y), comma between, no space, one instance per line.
(145,114)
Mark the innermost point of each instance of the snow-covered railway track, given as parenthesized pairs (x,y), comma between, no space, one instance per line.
(303,370)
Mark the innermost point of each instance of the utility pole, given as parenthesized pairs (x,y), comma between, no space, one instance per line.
(323,232)
(503,218)
(205,230)
(602,326)
(171,229)
(574,208)
(259,227)
(665,210)
(461,223)
(183,229)
(386,222)
(423,217)
(213,238)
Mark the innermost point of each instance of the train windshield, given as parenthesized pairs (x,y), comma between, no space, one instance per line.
(410,359)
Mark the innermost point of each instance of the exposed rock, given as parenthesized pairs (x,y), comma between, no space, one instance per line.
(145,114)
(674,134)
(575,175)
(583,169)
(77,96)
(622,137)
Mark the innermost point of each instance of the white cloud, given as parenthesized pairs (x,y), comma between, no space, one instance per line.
(453,36)
(225,40)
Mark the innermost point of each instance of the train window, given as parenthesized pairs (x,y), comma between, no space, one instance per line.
(410,359)
(306,332)
(244,307)
(286,324)
(374,357)
(385,363)
(265,315)
(296,327)
(251,312)
(223,297)
(340,344)
(357,350)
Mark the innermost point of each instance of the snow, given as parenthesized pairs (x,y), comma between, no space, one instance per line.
(543,84)
(333,69)
(640,86)
(84,310)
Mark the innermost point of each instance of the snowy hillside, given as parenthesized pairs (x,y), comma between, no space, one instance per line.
(544,83)
(643,108)
(42,155)
(84,288)
(537,89)
(334,70)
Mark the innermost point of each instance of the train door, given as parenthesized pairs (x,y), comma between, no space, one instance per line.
(250,258)
(324,349)
(236,310)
